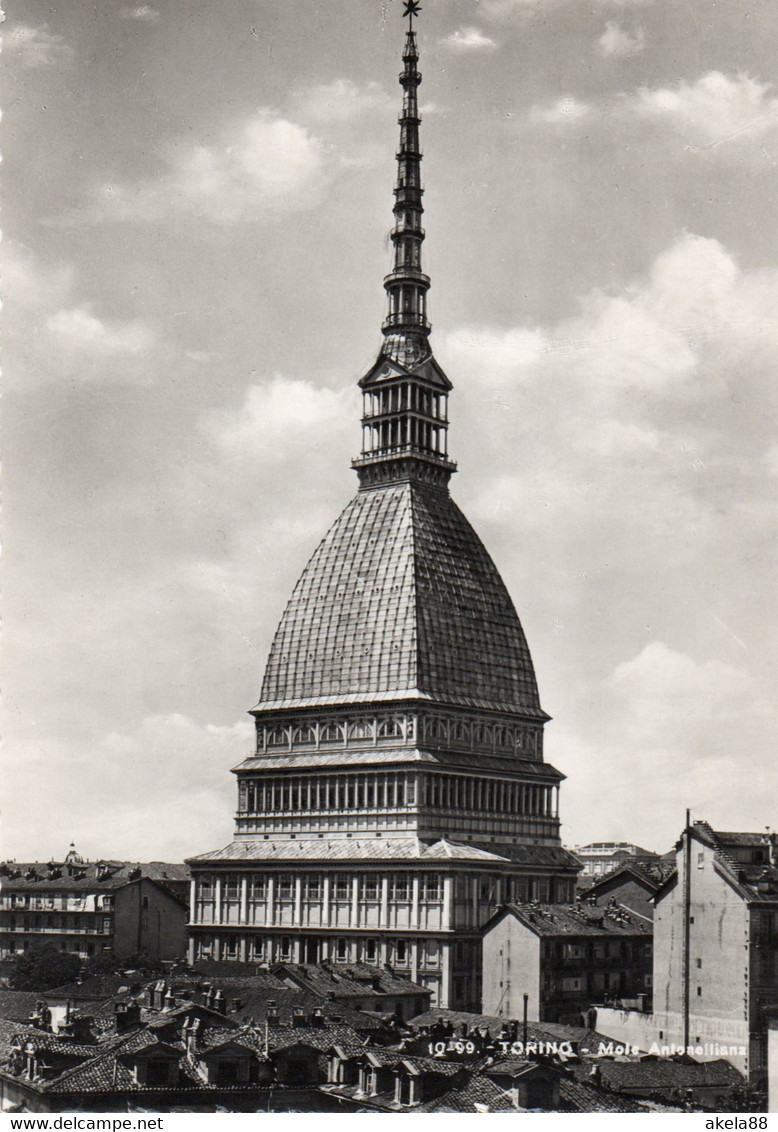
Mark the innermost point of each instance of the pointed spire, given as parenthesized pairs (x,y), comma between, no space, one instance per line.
(405,419)
(406,327)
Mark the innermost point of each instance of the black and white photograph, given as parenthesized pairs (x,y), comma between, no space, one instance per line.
(390,512)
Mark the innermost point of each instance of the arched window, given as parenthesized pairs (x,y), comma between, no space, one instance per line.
(390,729)
(331,733)
(304,735)
(362,729)
(277,737)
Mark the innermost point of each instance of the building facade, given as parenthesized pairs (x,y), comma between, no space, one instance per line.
(398,792)
(564,958)
(89,908)
(600,857)
(715,952)
(630,887)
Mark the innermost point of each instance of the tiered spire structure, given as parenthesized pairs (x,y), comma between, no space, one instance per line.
(405,417)
(397,793)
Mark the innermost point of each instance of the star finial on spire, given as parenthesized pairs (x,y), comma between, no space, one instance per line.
(412,8)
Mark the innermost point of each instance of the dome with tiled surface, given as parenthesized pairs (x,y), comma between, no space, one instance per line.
(401,599)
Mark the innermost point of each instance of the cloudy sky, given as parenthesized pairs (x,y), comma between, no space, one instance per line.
(197,201)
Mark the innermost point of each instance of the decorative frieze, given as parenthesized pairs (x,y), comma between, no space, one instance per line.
(445,730)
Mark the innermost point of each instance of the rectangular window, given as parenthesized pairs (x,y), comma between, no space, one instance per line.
(285,887)
(285,948)
(231,888)
(370,888)
(232,947)
(431,887)
(371,951)
(312,888)
(341,889)
(399,888)
(401,952)
(432,953)
(258,888)
(341,951)
(258,947)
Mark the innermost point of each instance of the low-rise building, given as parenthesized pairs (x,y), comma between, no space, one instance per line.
(631,887)
(563,957)
(362,987)
(91,907)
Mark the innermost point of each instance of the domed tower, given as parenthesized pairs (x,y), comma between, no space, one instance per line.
(397,794)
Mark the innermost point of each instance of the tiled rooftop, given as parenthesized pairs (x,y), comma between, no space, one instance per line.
(578,920)
(349,980)
(95,875)
(479,1091)
(17,1006)
(385,849)
(401,597)
(661,1073)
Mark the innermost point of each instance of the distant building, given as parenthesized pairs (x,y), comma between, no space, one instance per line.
(600,857)
(630,886)
(564,957)
(91,907)
(373,989)
(715,951)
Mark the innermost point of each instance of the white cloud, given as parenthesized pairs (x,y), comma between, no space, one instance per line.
(716,110)
(652,405)
(498,355)
(668,698)
(53,333)
(616,42)
(669,730)
(341,101)
(565,111)
(266,165)
(78,328)
(281,418)
(178,756)
(35,46)
(468,39)
(143,13)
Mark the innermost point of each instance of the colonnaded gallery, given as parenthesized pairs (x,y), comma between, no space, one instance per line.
(398,791)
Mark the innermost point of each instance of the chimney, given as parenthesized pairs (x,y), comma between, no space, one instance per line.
(298,1016)
(219,1001)
(317,1018)
(125,1016)
(80,1028)
(273,1018)
(169,1001)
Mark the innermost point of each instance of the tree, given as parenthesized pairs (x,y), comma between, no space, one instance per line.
(44,967)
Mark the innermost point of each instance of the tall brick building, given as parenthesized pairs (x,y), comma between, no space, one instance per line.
(398,792)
